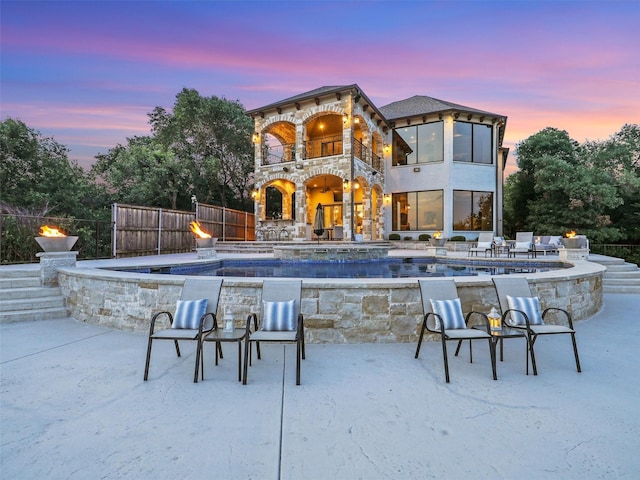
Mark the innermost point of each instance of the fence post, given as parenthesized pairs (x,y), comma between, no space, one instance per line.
(114,220)
(224,223)
(159,230)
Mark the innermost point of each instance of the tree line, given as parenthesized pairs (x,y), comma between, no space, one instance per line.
(202,149)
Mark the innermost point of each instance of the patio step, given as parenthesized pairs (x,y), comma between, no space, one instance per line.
(620,277)
(23,299)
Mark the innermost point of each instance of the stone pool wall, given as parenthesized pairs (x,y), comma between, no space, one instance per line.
(335,310)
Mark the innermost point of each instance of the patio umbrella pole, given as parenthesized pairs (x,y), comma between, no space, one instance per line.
(318,223)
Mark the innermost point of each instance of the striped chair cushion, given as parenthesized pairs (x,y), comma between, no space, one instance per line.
(529,305)
(451,313)
(188,314)
(279,316)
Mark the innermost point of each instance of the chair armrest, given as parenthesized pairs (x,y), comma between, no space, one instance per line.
(483,316)
(155,317)
(254,317)
(567,314)
(432,328)
(526,319)
(207,326)
(300,325)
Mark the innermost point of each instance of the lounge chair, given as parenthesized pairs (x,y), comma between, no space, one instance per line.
(443,316)
(546,244)
(523,244)
(280,321)
(194,317)
(521,310)
(484,244)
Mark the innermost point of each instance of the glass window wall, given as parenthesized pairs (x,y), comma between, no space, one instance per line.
(472,210)
(417,210)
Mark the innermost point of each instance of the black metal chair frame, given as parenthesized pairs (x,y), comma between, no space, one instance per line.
(532,335)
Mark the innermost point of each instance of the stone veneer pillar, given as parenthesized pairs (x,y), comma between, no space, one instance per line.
(50,262)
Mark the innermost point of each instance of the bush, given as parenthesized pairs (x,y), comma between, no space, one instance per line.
(394,236)
(408,238)
(424,237)
(458,238)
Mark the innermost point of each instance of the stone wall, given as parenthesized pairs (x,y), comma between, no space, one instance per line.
(335,310)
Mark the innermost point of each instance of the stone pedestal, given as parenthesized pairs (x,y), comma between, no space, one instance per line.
(206,253)
(436,251)
(50,262)
(569,254)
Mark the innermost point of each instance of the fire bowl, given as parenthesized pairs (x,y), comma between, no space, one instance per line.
(575,242)
(56,244)
(206,242)
(437,242)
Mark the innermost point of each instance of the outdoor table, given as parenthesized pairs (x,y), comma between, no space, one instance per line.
(500,335)
(496,250)
(219,335)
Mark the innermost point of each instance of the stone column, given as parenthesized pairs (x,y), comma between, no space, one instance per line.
(50,262)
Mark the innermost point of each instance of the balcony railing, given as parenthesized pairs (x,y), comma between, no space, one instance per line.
(323,146)
(366,155)
(278,154)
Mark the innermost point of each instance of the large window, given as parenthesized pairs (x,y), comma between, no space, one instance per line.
(472,142)
(417,210)
(418,144)
(472,210)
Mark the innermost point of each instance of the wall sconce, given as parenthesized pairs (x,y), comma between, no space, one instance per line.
(386,148)
(345,185)
(255,138)
(345,118)
(285,169)
(416,169)
(255,194)
(387,198)
(356,120)
(356,185)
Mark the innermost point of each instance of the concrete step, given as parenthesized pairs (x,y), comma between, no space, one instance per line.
(32,303)
(622,275)
(625,267)
(33,315)
(19,282)
(20,272)
(619,289)
(28,292)
(622,281)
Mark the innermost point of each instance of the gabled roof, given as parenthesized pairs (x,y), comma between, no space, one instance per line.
(421,105)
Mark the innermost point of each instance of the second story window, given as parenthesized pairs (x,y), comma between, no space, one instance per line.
(472,142)
(418,144)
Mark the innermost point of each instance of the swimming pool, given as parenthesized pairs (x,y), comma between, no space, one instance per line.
(383,268)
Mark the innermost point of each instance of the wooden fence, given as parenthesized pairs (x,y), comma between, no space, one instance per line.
(141,231)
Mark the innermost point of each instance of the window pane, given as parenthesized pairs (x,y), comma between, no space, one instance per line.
(462,218)
(483,210)
(430,144)
(461,142)
(409,136)
(481,143)
(429,210)
(399,216)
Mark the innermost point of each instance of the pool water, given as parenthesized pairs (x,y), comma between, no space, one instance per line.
(385,268)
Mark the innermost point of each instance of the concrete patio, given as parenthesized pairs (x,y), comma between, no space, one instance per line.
(74,406)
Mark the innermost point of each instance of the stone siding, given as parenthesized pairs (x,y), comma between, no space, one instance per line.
(335,311)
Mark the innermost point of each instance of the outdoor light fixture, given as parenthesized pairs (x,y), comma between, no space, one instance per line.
(387,198)
(345,184)
(386,148)
(255,194)
(416,169)
(299,166)
(285,169)
(356,120)
(255,138)
(345,118)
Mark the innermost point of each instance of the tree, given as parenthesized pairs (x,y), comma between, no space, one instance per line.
(37,177)
(146,172)
(212,135)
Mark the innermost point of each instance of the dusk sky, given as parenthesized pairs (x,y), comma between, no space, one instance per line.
(89,72)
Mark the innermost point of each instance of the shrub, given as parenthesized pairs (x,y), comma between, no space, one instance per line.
(408,238)
(394,236)
(424,237)
(458,238)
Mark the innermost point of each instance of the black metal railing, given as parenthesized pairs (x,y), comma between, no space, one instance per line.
(278,154)
(628,252)
(323,147)
(17,233)
(361,152)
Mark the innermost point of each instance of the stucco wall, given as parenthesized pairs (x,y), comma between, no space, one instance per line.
(335,311)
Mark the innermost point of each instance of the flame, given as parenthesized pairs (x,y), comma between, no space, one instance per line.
(438,234)
(571,234)
(47,231)
(195,228)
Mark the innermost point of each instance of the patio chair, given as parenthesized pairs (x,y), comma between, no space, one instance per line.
(194,317)
(484,244)
(280,321)
(443,316)
(521,310)
(523,244)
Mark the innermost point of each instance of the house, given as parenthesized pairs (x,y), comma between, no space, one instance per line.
(415,166)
